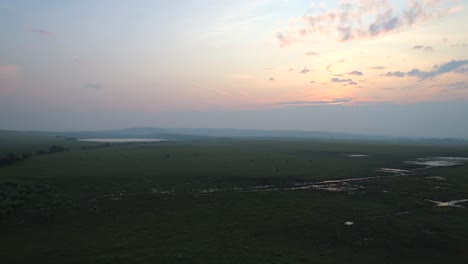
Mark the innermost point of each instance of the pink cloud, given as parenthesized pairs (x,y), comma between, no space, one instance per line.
(8,78)
(364,19)
(8,72)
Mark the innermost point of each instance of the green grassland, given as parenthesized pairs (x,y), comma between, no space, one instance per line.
(197,202)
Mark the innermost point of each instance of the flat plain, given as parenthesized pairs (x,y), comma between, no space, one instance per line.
(232,201)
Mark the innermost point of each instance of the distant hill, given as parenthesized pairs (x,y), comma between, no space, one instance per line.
(223,133)
(199,133)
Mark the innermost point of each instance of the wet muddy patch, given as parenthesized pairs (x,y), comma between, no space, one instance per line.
(431,162)
(436,178)
(454,203)
(346,185)
(393,171)
(356,155)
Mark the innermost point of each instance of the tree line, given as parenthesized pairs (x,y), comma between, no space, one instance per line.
(12,158)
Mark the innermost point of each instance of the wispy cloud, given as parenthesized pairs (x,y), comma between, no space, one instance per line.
(41,32)
(458,86)
(311,53)
(457,66)
(318,102)
(361,19)
(338,80)
(396,74)
(358,73)
(452,66)
(423,48)
(285,39)
(377,68)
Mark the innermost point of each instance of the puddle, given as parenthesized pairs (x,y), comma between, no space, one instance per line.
(357,155)
(453,158)
(394,171)
(439,188)
(349,223)
(438,161)
(209,190)
(338,185)
(344,185)
(437,178)
(355,179)
(256,188)
(333,187)
(454,203)
(434,163)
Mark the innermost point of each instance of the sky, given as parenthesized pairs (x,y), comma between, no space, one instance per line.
(370,66)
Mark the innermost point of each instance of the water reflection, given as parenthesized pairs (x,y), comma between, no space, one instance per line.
(122,140)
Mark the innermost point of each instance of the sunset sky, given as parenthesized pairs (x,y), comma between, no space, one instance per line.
(351,66)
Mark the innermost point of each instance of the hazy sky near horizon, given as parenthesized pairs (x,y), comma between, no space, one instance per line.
(71,65)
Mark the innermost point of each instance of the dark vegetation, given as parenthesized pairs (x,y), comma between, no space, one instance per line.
(14,195)
(205,201)
(12,158)
(103,145)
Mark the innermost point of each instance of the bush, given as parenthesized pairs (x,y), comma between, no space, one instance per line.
(9,159)
(54,148)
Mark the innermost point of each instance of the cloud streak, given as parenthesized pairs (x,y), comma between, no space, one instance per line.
(458,86)
(396,74)
(357,73)
(457,66)
(358,20)
(41,32)
(338,80)
(318,102)
(452,66)
(423,48)
(377,68)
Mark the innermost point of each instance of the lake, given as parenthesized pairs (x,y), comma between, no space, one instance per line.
(123,140)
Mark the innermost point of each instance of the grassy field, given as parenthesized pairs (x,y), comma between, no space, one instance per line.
(227,201)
